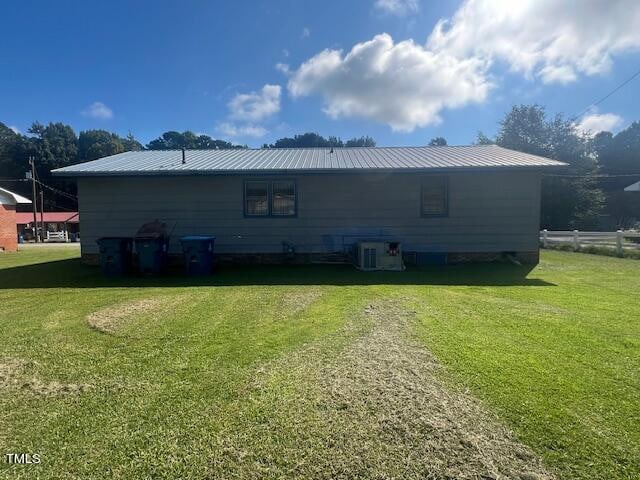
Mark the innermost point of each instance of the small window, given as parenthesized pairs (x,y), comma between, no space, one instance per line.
(256,199)
(284,198)
(270,198)
(435,201)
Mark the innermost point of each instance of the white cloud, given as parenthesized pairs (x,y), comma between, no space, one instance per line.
(256,106)
(397,7)
(14,129)
(247,110)
(554,40)
(232,130)
(99,111)
(599,122)
(404,85)
(283,68)
(306,33)
(407,85)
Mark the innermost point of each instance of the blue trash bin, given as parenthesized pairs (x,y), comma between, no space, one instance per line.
(197,251)
(153,254)
(115,255)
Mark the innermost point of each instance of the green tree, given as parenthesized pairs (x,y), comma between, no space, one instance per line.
(482,139)
(307,140)
(438,142)
(173,140)
(13,153)
(364,141)
(619,156)
(572,201)
(620,153)
(315,140)
(54,146)
(93,144)
(131,144)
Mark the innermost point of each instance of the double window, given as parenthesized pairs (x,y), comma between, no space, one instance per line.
(270,198)
(435,196)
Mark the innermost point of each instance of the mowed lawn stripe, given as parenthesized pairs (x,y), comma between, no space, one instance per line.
(560,363)
(556,356)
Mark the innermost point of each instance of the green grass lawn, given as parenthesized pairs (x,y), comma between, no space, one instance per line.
(151,377)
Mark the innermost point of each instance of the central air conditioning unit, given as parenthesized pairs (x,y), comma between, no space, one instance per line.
(373,255)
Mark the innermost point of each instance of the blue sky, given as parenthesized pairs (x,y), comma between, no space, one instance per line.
(251,72)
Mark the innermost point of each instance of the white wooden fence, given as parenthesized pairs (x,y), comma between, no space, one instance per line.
(577,239)
(57,237)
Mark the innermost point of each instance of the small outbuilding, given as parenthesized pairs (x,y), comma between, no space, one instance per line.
(8,233)
(449,203)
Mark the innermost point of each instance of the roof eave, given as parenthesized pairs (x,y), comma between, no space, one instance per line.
(290,172)
(15,197)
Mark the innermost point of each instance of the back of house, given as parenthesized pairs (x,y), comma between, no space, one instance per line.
(439,203)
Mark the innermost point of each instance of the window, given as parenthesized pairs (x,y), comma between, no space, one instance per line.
(256,199)
(435,197)
(284,198)
(275,198)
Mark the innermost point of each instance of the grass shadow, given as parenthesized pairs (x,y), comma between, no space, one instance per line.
(73,274)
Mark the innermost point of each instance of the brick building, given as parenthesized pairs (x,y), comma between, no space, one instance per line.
(8,233)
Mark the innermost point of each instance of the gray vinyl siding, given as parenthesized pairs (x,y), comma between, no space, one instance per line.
(488,212)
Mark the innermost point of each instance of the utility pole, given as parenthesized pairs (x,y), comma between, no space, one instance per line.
(35,200)
(42,213)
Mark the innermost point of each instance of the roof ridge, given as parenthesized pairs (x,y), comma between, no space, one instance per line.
(377,147)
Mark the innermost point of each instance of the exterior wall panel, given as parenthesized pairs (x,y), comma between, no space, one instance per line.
(488,212)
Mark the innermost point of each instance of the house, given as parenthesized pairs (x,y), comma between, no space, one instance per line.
(458,203)
(8,202)
(66,224)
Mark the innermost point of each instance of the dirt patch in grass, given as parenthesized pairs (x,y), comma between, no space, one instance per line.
(109,319)
(368,405)
(297,301)
(14,376)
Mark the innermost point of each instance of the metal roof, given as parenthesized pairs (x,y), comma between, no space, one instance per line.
(7,197)
(23,218)
(310,160)
(634,187)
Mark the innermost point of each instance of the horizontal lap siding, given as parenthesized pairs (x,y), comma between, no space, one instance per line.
(487,212)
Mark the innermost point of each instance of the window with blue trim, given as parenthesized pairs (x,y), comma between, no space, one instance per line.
(270,198)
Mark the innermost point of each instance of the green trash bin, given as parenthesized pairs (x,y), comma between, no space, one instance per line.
(115,255)
(197,251)
(153,254)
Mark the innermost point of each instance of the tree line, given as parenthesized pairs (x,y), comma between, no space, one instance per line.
(56,145)
(588,194)
(314,140)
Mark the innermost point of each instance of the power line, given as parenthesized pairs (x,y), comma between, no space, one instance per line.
(595,104)
(53,189)
(59,192)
